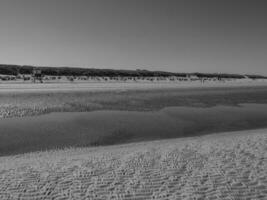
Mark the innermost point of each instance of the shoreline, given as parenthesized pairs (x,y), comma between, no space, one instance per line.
(150,143)
(38,102)
(111,127)
(118,86)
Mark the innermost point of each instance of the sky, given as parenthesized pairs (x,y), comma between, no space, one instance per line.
(225,36)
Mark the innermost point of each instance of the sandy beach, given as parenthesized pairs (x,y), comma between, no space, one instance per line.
(133,100)
(120,86)
(230,165)
(222,166)
(19,100)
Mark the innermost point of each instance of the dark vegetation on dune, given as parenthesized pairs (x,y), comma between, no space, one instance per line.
(71,71)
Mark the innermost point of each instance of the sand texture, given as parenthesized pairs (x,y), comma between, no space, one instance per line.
(218,166)
(23,102)
(120,86)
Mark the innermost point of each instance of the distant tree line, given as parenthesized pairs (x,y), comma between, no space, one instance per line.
(73,71)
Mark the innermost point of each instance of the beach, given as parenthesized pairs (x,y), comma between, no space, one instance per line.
(222,166)
(6,87)
(133,100)
(19,100)
(133,141)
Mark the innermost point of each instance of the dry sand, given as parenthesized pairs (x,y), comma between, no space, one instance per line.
(220,166)
(120,86)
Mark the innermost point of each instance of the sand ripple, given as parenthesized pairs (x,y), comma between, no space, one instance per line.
(223,166)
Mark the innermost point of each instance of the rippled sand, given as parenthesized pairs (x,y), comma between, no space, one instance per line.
(220,166)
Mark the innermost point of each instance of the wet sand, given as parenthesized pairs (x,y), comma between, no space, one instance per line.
(21,104)
(223,166)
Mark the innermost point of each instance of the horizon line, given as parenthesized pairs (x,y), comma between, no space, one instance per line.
(119,69)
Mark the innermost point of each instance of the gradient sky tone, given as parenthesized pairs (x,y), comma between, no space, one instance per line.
(172,35)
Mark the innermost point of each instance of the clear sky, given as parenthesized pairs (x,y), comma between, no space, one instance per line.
(172,35)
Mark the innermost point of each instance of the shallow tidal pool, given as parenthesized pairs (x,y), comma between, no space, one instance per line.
(73,129)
